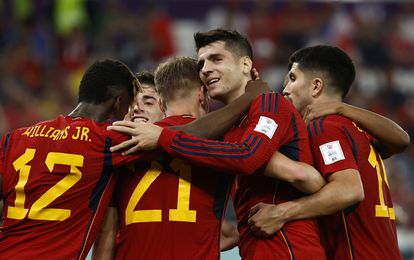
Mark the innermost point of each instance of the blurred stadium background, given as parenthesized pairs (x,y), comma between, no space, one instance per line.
(45,46)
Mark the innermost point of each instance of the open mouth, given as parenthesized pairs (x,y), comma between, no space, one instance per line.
(139,119)
(212,81)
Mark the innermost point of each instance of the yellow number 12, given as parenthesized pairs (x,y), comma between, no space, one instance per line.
(38,209)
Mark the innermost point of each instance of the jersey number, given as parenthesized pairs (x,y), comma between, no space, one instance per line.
(381,210)
(38,209)
(181,213)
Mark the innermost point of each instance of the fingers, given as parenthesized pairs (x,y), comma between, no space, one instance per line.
(255,74)
(124,145)
(255,209)
(125,123)
(122,129)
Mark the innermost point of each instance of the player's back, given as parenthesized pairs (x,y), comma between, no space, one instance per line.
(55,183)
(170,209)
(365,230)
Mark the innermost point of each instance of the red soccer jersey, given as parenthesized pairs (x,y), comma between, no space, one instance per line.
(56,183)
(169,209)
(365,230)
(272,124)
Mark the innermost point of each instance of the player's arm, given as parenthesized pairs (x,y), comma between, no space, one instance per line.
(301,175)
(104,246)
(269,120)
(343,189)
(229,236)
(216,123)
(391,138)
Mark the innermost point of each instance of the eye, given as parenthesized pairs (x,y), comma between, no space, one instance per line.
(292,77)
(218,59)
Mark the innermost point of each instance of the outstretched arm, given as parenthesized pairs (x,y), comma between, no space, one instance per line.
(391,138)
(216,123)
(301,175)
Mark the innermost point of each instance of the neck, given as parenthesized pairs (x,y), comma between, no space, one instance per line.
(183,107)
(90,111)
(237,92)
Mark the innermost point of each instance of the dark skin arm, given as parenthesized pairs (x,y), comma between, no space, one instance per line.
(391,138)
(225,117)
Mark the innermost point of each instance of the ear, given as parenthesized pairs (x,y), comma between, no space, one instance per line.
(203,98)
(247,65)
(117,103)
(317,87)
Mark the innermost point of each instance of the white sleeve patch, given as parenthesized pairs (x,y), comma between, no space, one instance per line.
(332,152)
(266,126)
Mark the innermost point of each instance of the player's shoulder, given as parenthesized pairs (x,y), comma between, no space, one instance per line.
(175,120)
(328,124)
(272,102)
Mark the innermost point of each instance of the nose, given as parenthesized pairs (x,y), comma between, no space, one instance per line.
(137,108)
(206,69)
(286,89)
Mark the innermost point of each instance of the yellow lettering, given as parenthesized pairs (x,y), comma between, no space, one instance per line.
(41,132)
(55,134)
(85,132)
(65,132)
(50,129)
(36,134)
(28,131)
(34,131)
(77,135)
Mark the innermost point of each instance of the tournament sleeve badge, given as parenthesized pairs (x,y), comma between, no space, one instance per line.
(266,126)
(332,152)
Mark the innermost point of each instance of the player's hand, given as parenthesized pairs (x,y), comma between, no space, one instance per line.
(265,219)
(255,74)
(322,109)
(257,87)
(143,136)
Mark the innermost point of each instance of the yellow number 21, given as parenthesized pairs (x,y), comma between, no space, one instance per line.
(181,213)
(38,209)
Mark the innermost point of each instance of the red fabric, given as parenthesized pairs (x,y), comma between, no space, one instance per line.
(164,237)
(356,232)
(65,172)
(245,151)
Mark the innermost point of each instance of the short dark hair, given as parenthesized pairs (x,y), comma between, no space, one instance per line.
(330,60)
(105,79)
(145,77)
(234,41)
(175,77)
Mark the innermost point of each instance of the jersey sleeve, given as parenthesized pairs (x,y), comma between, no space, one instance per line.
(332,146)
(270,118)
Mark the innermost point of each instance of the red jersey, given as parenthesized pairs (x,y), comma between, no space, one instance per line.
(272,124)
(170,209)
(56,181)
(365,230)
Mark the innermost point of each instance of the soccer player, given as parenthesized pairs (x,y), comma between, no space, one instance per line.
(57,174)
(147,109)
(272,123)
(358,216)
